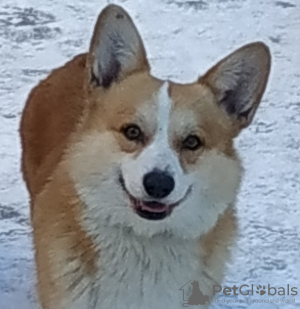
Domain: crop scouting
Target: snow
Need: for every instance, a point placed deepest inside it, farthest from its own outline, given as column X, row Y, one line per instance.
column 183, row 39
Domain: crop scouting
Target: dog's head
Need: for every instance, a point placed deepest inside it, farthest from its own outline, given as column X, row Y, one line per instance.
column 155, row 156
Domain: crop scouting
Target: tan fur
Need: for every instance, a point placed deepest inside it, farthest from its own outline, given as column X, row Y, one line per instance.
column 51, row 114
column 63, row 110
column 57, row 230
column 216, row 129
column 217, row 244
column 127, row 100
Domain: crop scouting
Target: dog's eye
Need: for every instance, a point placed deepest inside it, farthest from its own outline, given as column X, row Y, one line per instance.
column 192, row 142
column 133, row 133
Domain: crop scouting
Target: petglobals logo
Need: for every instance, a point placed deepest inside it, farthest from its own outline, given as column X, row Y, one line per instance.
column 254, row 290
column 193, row 296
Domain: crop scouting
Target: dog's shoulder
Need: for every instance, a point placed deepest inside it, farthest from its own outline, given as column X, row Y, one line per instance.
column 51, row 113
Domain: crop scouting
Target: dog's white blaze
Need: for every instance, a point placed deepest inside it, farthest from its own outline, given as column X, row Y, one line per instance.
column 163, row 116
column 158, row 155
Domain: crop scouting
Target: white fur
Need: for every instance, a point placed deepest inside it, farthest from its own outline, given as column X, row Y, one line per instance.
column 139, row 273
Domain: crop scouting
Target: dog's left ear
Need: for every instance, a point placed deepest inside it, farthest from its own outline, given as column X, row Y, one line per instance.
column 116, row 48
column 239, row 81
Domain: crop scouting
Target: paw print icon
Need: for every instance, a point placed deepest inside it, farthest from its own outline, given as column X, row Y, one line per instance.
column 261, row 290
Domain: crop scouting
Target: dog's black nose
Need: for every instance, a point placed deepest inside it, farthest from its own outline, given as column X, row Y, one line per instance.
column 158, row 184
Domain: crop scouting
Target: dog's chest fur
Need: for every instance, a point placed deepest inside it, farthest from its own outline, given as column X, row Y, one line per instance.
column 143, row 273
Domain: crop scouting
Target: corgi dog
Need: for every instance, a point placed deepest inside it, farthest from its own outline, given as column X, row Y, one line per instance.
column 133, row 179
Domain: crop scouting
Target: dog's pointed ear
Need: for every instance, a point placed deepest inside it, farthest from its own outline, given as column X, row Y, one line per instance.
column 239, row 81
column 116, row 48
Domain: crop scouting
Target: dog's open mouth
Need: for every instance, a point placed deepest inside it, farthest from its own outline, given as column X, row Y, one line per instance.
column 151, row 210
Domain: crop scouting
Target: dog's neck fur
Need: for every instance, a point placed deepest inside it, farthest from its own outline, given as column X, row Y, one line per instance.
column 135, row 272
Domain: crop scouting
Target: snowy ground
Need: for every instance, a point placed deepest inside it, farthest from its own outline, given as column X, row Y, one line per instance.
column 183, row 39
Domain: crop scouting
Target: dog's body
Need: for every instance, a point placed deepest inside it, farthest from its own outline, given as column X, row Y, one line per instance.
column 132, row 179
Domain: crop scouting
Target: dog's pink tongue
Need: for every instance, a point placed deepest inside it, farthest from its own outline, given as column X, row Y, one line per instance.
column 153, row 207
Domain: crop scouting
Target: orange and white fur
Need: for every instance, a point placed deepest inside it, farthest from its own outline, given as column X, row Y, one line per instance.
column 133, row 179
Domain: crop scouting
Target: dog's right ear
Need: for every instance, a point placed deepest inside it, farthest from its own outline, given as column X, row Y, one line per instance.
column 239, row 81
column 116, row 48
